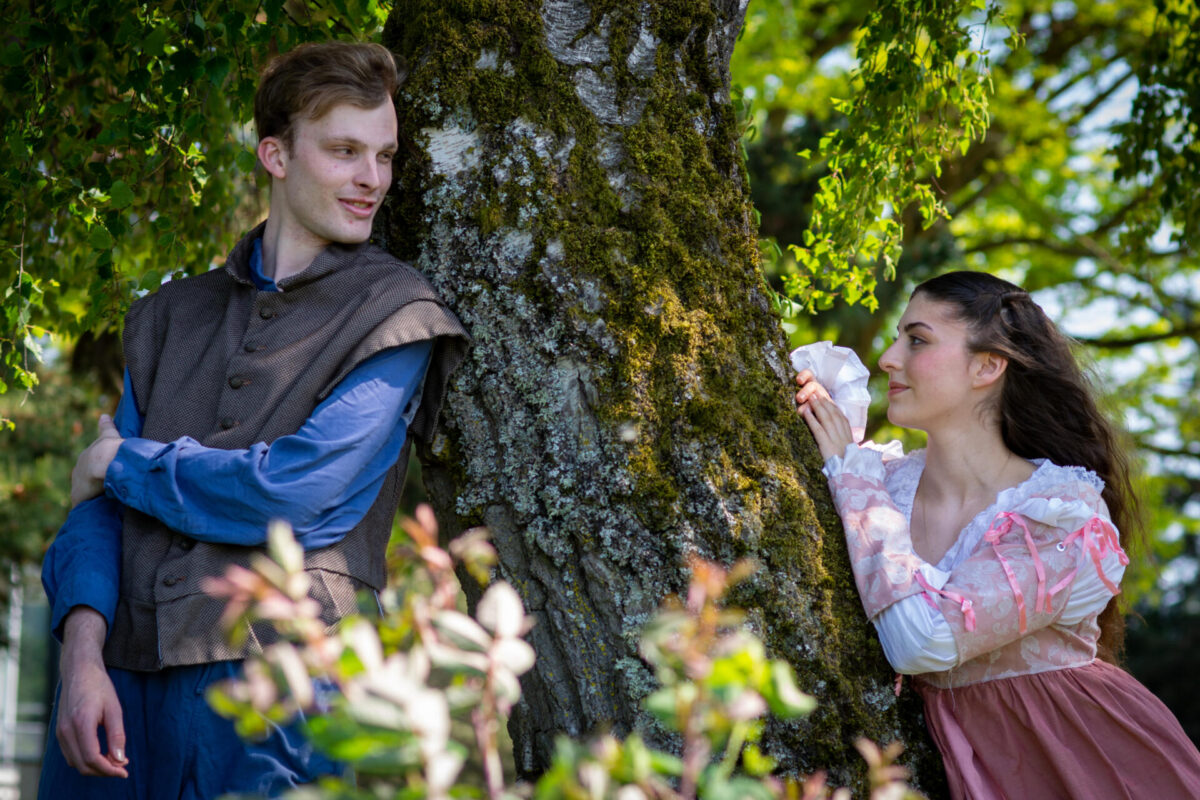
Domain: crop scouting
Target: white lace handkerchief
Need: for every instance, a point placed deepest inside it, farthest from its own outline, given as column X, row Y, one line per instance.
column 843, row 374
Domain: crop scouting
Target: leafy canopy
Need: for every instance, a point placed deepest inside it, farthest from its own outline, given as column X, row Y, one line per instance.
column 125, row 153
column 919, row 92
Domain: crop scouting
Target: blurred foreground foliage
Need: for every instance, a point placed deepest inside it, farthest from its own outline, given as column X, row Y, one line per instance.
column 419, row 695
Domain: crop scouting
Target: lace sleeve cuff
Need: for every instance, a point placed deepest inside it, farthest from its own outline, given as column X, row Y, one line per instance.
column 864, row 462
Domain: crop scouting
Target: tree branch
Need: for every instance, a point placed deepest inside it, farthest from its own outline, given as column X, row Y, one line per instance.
column 989, row 185
column 1086, row 249
column 1062, row 248
column 1158, row 450
column 838, row 36
column 1090, row 72
column 1191, row 329
column 1099, row 98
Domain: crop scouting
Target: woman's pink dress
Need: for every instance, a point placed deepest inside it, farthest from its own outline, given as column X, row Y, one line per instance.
column 1027, row 711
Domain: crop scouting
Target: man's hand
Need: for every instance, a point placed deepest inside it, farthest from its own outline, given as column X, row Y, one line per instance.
column 87, row 479
column 88, row 699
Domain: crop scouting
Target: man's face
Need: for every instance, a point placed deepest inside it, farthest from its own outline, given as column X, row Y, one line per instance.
column 335, row 175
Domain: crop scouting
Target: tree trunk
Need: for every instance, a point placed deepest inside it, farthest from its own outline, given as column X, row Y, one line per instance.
column 572, row 183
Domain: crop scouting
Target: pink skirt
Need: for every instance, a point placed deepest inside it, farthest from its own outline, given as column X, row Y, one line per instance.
column 1090, row 732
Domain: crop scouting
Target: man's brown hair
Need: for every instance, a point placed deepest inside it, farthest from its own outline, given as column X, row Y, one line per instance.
column 313, row 78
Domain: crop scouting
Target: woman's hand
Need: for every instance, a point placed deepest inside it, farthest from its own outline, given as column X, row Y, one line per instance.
column 829, row 426
column 824, row 426
column 809, row 387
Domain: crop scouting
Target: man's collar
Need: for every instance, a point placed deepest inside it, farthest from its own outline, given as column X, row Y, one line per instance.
column 238, row 263
column 261, row 281
column 334, row 256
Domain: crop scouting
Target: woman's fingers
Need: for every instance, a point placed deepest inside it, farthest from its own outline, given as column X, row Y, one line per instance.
column 829, row 426
column 816, row 427
column 810, row 387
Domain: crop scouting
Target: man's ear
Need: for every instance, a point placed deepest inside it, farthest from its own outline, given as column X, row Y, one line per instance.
column 273, row 156
column 988, row 369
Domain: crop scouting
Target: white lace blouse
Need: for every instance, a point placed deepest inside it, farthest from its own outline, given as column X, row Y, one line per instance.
column 916, row 637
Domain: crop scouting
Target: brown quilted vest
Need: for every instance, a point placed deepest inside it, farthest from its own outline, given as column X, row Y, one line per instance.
column 213, row 358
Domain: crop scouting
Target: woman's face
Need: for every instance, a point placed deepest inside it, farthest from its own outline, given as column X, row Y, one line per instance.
column 931, row 373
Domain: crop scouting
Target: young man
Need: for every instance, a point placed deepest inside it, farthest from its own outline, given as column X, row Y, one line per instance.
column 281, row 386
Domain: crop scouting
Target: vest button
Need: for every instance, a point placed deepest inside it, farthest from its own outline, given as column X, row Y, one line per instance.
column 227, row 423
column 266, row 312
column 174, row 579
column 237, row 381
column 186, row 543
column 252, row 348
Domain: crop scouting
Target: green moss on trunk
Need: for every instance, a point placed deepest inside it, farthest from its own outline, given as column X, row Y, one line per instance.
column 574, row 189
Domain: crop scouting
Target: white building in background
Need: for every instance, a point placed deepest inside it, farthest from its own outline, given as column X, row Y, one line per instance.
column 28, row 674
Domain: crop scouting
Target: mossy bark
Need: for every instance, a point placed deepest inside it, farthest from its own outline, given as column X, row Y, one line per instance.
column 572, row 184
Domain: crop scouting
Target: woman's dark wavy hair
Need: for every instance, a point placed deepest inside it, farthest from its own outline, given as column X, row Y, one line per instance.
column 1047, row 406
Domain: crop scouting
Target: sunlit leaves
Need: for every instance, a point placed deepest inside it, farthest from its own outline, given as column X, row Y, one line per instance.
column 1160, row 146
column 119, row 114
column 920, row 93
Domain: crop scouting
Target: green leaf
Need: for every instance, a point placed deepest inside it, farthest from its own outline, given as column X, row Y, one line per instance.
column 119, row 195
column 99, row 238
column 756, row 762
column 12, row 55
column 187, row 65
column 155, row 44
column 664, row 705
column 246, row 161
column 217, row 68
column 234, row 21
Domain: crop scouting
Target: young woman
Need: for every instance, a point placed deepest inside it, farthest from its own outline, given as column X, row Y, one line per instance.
column 989, row 561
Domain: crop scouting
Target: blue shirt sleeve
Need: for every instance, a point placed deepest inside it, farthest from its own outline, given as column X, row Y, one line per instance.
column 83, row 565
column 322, row 479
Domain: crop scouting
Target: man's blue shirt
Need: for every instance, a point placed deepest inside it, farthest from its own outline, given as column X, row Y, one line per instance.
column 321, row 479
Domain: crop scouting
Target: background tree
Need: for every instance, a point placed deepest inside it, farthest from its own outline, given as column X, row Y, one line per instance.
column 575, row 190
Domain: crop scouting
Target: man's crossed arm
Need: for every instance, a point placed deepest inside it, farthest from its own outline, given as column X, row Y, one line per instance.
column 322, row 479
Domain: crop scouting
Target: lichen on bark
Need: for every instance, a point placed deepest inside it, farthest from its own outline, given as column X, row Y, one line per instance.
column 573, row 187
